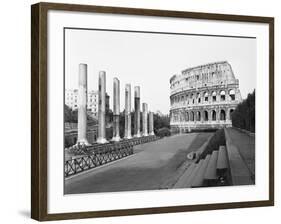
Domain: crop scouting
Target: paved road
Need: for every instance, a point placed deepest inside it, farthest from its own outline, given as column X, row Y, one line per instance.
column 246, row 146
column 147, row 169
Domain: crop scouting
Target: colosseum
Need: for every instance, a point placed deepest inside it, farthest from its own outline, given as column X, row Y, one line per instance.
column 203, row 97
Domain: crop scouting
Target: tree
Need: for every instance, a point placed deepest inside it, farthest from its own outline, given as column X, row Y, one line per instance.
column 244, row 115
column 161, row 121
column 71, row 116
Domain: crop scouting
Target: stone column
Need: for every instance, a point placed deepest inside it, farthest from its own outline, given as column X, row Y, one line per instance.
column 202, row 115
column 116, row 109
column 82, row 105
column 210, row 116
column 137, row 113
column 218, row 114
column 144, row 119
column 101, row 108
column 227, row 114
column 227, row 96
column 151, row 125
column 128, row 132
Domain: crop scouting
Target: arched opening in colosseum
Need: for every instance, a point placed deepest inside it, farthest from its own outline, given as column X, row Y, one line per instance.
column 232, row 94
column 187, row 116
column 214, row 95
column 182, row 116
column 222, row 115
column 206, row 97
column 214, row 115
column 205, row 115
column 198, row 97
column 198, row 117
column 230, row 113
column 192, row 116
column 222, row 94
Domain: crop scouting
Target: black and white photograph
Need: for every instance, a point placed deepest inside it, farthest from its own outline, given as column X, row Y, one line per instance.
column 136, row 111
column 145, row 111
column 157, row 111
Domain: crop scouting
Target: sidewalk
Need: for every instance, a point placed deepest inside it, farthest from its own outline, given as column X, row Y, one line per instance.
column 152, row 164
column 246, row 146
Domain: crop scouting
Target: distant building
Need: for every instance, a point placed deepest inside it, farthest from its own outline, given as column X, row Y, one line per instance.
column 71, row 100
column 92, row 103
column 203, row 97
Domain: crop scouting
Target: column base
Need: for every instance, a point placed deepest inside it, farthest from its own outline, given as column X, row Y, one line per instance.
column 83, row 142
column 128, row 137
column 116, row 139
column 102, row 141
column 145, row 134
column 137, row 135
column 151, row 133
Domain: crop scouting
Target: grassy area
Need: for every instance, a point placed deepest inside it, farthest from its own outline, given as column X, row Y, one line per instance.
column 200, row 139
column 215, row 142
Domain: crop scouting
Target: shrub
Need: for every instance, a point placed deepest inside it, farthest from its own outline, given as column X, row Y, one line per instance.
column 215, row 142
column 162, row 132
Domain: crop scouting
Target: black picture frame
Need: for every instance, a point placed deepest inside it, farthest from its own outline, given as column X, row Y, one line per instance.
column 39, row 106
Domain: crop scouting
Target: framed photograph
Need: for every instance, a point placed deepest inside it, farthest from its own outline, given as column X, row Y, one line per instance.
column 141, row 111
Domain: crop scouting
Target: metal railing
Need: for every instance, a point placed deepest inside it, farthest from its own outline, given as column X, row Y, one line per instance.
column 100, row 154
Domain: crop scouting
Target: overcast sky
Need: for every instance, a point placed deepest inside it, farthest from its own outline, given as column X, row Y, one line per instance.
column 150, row 60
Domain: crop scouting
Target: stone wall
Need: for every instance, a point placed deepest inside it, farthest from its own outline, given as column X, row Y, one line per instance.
column 203, row 97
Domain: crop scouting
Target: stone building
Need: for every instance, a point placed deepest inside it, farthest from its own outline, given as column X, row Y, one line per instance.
column 203, row 97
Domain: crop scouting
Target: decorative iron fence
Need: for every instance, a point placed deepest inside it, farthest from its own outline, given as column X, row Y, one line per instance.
column 102, row 156
column 99, row 154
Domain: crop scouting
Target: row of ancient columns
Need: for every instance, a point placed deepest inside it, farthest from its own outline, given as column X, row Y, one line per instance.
column 82, row 110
